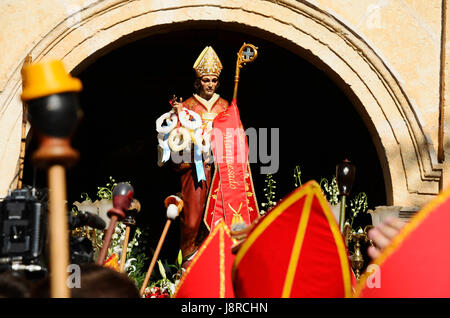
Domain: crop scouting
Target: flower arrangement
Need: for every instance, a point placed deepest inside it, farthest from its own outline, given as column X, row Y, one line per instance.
column 165, row 287
column 138, row 256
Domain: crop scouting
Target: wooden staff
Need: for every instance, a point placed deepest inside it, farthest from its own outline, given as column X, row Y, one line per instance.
column 48, row 84
column 174, row 205
column 129, row 221
column 122, row 197
column 247, row 53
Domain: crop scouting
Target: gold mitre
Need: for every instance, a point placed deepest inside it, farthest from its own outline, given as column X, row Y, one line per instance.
column 207, row 63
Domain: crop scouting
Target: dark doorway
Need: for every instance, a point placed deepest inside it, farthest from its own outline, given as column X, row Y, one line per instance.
column 126, row 90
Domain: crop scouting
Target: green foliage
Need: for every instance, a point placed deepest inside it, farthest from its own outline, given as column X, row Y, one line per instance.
column 269, row 193
column 139, row 270
column 297, row 174
column 168, row 276
column 85, row 196
column 106, row 191
column 330, row 190
column 357, row 205
column 141, row 255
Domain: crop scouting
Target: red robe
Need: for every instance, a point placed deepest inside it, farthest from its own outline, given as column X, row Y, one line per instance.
column 195, row 195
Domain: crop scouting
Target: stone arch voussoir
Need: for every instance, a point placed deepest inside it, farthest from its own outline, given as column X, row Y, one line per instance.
column 409, row 164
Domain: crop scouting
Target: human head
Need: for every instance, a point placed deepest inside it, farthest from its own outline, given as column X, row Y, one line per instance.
column 207, row 69
column 12, row 285
column 96, row 282
column 206, row 86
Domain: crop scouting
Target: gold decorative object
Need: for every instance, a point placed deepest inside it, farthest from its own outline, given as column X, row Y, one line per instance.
column 358, row 238
column 247, row 53
column 208, row 63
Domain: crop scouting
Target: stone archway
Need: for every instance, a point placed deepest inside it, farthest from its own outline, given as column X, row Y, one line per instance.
column 405, row 151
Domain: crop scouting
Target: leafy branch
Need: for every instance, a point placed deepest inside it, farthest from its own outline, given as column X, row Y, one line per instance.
column 269, row 193
column 297, row 174
column 357, row 205
column 331, row 190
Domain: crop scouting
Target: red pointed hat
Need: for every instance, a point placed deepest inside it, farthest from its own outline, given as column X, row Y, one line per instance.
column 296, row 250
column 209, row 274
column 417, row 262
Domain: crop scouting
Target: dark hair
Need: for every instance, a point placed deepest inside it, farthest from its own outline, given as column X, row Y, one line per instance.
column 96, row 282
column 12, row 285
column 198, row 86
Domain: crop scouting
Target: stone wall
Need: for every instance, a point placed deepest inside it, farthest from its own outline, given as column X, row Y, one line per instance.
column 389, row 56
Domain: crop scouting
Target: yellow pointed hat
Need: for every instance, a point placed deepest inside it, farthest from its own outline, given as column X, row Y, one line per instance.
column 207, row 63
column 47, row 78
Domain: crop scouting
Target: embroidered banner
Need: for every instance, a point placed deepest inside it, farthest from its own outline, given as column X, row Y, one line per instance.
column 230, row 149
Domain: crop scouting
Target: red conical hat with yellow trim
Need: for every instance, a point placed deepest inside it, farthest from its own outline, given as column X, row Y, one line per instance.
column 296, row 250
column 209, row 274
column 417, row 262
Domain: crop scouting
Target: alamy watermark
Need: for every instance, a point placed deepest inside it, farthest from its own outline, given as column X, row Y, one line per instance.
column 74, row 278
column 230, row 148
column 374, row 276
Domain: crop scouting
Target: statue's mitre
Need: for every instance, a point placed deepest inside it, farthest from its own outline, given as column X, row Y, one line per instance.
column 207, row 63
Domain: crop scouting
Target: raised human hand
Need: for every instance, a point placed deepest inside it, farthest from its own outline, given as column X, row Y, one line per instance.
column 382, row 235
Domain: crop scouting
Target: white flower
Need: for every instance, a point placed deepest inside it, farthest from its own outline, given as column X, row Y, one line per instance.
column 172, row 288
column 128, row 265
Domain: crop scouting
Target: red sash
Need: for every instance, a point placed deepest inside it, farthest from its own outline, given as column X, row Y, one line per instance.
column 232, row 189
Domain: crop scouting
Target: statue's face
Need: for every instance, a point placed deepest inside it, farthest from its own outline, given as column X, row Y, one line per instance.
column 208, row 86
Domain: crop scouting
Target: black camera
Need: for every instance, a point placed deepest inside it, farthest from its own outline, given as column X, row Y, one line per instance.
column 23, row 232
column 23, row 229
column 81, row 249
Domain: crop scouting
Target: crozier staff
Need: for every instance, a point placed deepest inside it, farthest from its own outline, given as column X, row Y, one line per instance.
column 53, row 110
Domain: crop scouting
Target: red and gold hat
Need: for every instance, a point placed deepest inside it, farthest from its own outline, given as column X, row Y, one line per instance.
column 209, row 274
column 416, row 263
column 294, row 251
column 207, row 63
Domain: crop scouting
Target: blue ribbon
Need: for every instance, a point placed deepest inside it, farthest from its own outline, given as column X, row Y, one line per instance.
column 166, row 150
column 199, row 164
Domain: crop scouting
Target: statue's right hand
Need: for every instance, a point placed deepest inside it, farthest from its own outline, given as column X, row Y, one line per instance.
column 178, row 105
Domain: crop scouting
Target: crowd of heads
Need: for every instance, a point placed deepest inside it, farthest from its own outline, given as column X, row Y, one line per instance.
column 95, row 282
